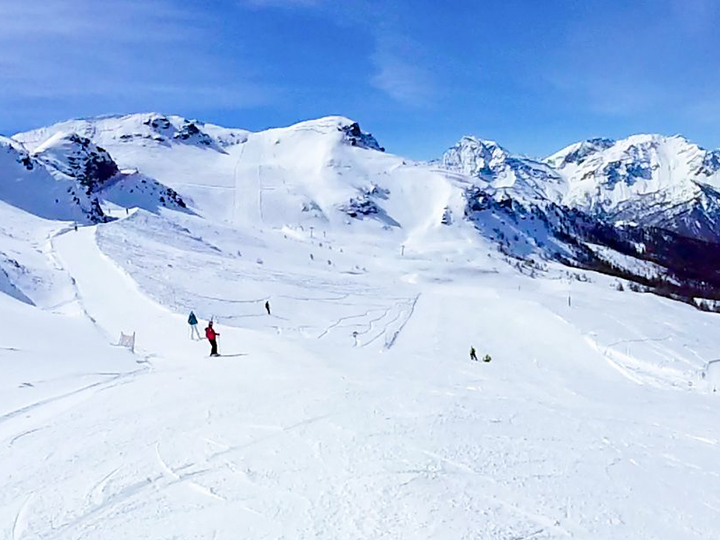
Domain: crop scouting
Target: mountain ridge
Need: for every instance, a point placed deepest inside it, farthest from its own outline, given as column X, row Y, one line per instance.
column 613, row 180
column 328, row 172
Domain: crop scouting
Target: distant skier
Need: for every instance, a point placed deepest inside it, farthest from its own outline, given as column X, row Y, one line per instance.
column 267, row 306
column 193, row 322
column 212, row 335
column 473, row 354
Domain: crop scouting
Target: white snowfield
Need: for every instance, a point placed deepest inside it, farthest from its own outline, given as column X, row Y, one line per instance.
column 353, row 410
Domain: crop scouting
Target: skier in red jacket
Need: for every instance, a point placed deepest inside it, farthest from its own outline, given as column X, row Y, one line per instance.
column 212, row 338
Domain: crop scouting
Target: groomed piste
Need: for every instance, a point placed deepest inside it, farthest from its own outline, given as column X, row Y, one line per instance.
column 353, row 409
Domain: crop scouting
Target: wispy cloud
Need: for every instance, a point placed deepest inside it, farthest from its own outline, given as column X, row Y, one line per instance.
column 401, row 69
column 400, row 72
column 102, row 24
column 81, row 57
column 283, row 3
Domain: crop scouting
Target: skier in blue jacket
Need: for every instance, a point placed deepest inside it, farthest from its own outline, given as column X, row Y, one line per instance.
column 193, row 322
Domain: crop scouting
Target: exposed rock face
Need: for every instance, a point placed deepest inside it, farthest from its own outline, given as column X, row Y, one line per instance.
column 356, row 137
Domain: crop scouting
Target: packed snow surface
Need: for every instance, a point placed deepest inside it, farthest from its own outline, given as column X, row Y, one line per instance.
column 353, row 410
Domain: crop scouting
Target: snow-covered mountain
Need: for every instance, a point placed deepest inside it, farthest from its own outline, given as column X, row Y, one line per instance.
column 45, row 184
column 329, row 174
column 506, row 174
column 649, row 180
column 596, row 191
column 66, row 176
column 348, row 286
column 324, row 171
column 70, row 156
column 139, row 130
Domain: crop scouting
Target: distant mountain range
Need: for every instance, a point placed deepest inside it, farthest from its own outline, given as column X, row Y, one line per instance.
column 646, row 208
column 648, row 180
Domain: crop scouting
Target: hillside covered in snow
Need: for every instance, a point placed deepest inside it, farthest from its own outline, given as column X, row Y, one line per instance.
column 647, row 198
column 348, row 285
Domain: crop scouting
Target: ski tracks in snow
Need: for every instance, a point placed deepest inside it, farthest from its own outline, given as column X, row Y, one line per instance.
column 638, row 371
column 500, row 493
column 21, row 519
column 378, row 322
column 179, row 476
column 110, row 492
column 116, row 380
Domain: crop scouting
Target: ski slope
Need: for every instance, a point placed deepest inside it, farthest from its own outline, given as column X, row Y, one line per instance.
column 590, row 422
column 353, row 409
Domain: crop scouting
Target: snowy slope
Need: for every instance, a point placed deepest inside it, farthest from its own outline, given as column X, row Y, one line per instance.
column 27, row 183
column 68, row 178
column 166, row 149
column 319, row 173
column 50, row 356
column 352, row 410
column 28, row 270
column 585, row 415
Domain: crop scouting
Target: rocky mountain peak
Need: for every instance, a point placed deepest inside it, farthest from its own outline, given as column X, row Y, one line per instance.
column 78, row 157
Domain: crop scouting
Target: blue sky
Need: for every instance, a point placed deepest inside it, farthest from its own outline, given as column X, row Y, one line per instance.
column 535, row 75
